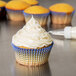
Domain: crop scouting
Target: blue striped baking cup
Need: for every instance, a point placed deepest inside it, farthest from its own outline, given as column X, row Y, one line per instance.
column 60, row 13
column 45, row 49
column 32, row 57
column 46, row 14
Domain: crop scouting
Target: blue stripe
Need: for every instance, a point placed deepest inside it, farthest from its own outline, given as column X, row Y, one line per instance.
column 46, row 14
column 60, row 13
column 14, row 10
column 38, row 50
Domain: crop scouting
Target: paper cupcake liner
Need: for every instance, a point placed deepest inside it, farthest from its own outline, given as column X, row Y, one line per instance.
column 60, row 13
column 32, row 57
column 15, row 15
column 41, row 18
column 61, row 18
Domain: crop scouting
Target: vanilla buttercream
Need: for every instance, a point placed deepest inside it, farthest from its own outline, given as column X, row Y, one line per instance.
column 32, row 35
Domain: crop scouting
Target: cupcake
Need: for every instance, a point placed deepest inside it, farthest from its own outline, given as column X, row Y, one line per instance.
column 40, row 14
column 2, row 10
column 61, row 13
column 15, row 10
column 31, row 2
column 32, row 44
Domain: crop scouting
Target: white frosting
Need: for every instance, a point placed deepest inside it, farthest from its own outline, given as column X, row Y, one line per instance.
column 32, row 35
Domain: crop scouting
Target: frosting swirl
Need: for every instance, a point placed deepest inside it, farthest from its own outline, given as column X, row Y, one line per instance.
column 32, row 35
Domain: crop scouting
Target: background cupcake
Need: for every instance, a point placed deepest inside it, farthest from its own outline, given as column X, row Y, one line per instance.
column 61, row 13
column 32, row 44
column 40, row 14
column 15, row 9
column 2, row 10
column 31, row 2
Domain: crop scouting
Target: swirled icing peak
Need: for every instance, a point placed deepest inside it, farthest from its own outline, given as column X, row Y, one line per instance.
column 32, row 35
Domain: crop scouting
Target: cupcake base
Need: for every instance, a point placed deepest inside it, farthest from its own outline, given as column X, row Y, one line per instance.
column 41, row 18
column 32, row 57
column 60, row 19
column 15, row 15
column 31, row 60
column 31, row 65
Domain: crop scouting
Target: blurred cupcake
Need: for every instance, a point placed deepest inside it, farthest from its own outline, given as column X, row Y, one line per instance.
column 40, row 14
column 32, row 44
column 30, row 2
column 2, row 10
column 15, row 9
column 61, row 13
